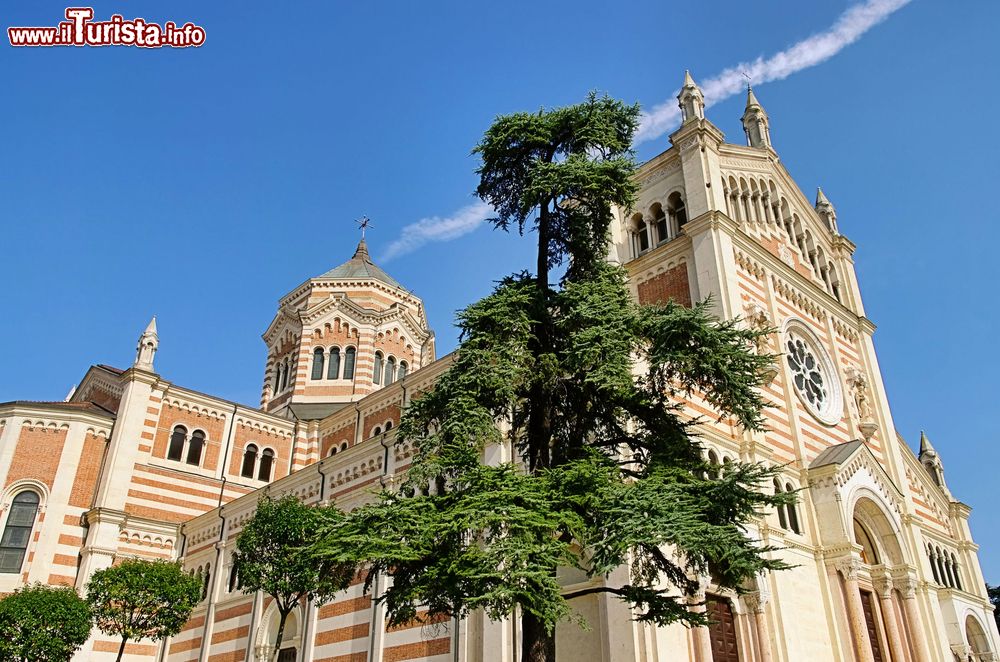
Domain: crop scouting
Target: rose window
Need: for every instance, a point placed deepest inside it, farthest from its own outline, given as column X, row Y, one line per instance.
column 812, row 373
column 806, row 372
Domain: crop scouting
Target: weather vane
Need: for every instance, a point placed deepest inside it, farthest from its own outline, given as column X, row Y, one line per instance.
column 364, row 223
column 747, row 76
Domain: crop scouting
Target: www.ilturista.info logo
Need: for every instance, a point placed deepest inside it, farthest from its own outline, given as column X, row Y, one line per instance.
column 81, row 30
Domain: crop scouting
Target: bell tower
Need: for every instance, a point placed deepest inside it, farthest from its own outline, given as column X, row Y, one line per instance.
column 340, row 336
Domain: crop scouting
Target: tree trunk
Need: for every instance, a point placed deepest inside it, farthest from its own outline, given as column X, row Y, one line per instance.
column 121, row 650
column 282, row 615
column 537, row 644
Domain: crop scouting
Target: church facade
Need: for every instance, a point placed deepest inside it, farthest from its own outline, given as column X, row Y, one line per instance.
column 885, row 568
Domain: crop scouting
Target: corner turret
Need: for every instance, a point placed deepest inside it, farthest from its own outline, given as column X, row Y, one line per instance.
column 756, row 123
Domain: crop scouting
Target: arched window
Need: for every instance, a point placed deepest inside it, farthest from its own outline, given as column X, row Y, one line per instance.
column 677, row 211
column 318, row 358
column 641, row 234
column 939, row 557
column 234, row 580
column 377, row 431
column 17, row 533
column 175, row 451
column 388, row 425
column 343, row 447
column 934, row 571
column 333, row 451
column 390, row 370
column 402, row 369
column 277, row 377
column 206, row 580
column 249, row 461
column 782, row 520
column 266, row 462
column 377, row 375
column 195, row 446
column 956, row 573
column 284, row 374
column 713, row 460
column 349, row 355
column 793, row 515
column 660, row 223
column 333, row 372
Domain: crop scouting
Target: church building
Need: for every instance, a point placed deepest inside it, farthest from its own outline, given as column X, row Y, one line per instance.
column 884, row 566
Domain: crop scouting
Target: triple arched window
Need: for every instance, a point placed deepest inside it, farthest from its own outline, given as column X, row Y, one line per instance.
column 257, row 464
column 333, row 363
column 388, row 370
column 17, row 532
column 659, row 225
column 184, row 447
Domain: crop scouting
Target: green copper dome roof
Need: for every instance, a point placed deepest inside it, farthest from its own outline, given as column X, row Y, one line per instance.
column 361, row 267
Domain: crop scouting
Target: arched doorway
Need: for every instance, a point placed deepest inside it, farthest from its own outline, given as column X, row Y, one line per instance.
column 291, row 640
column 874, row 533
column 976, row 636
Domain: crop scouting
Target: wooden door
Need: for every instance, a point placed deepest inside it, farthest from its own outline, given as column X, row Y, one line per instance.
column 868, row 605
column 722, row 630
column 287, row 655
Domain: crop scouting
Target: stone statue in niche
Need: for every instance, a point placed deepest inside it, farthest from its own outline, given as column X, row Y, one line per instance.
column 862, row 402
column 758, row 320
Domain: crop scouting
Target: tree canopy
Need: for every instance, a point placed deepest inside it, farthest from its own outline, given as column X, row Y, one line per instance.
column 40, row 623
column 272, row 557
column 140, row 599
column 585, row 384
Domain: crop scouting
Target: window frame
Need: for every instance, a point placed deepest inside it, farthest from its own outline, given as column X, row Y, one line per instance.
column 14, row 493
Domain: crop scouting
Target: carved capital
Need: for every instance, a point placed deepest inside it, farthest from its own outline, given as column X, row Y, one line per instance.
column 962, row 652
column 756, row 601
column 883, row 585
column 907, row 586
column 849, row 567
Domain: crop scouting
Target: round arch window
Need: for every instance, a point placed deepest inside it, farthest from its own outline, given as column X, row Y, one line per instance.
column 812, row 372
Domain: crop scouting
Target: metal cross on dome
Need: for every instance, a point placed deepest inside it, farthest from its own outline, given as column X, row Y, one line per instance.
column 364, row 223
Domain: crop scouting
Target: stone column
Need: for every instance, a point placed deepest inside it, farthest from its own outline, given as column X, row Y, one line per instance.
column 848, row 569
column 907, row 586
column 700, row 635
column 883, row 586
column 756, row 602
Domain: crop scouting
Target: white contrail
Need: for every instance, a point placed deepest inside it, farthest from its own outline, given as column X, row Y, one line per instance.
column 848, row 28
column 818, row 48
column 435, row 228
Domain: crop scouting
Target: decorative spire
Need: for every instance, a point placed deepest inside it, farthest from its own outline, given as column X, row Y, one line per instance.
column 929, row 457
column 925, row 446
column 691, row 100
column 755, row 122
column 361, row 253
column 826, row 211
column 148, row 342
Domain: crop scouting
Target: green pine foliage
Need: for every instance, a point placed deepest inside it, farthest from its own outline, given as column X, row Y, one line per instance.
column 583, row 383
column 43, row 623
column 141, row 599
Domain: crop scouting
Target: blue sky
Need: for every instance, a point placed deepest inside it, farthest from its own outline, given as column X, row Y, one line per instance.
column 203, row 184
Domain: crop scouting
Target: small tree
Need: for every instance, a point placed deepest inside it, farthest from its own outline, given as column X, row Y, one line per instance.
column 271, row 556
column 140, row 599
column 41, row 622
